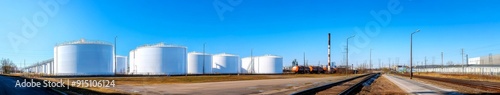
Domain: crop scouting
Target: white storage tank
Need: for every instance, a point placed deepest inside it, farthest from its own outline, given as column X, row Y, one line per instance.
column 267, row 64
column 225, row 63
column 121, row 64
column 247, row 66
column 159, row 59
column 199, row 63
column 131, row 64
column 83, row 58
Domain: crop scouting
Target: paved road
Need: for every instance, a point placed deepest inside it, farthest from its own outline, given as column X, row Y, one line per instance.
column 414, row 87
column 7, row 87
column 226, row 88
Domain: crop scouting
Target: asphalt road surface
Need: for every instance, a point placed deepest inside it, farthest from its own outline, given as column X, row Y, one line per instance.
column 8, row 87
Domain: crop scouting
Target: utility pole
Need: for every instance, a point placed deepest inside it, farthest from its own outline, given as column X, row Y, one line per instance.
column 462, row 56
column 467, row 59
column 411, row 54
column 425, row 62
column 304, row 58
column 463, row 67
column 347, row 53
column 329, row 58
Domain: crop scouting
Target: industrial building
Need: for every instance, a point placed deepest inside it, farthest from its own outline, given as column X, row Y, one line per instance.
column 267, row 64
column 225, row 63
column 199, row 63
column 83, row 58
column 158, row 59
column 485, row 60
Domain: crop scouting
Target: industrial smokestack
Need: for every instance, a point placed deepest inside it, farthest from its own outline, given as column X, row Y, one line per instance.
column 329, row 61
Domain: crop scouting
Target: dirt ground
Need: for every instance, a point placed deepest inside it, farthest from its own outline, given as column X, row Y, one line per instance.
column 244, row 87
column 382, row 86
column 144, row 81
column 458, row 88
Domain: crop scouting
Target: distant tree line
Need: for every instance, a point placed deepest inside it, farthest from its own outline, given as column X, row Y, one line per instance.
column 7, row 66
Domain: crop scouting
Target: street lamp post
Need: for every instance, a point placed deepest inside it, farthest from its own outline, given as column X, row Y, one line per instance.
column 411, row 53
column 347, row 54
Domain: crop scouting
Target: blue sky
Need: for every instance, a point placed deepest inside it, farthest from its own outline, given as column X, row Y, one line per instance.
column 281, row 27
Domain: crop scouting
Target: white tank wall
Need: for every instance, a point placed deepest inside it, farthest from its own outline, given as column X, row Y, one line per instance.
column 267, row 64
column 246, row 65
column 40, row 69
column 121, row 64
column 83, row 59
column 55, row 68
column 51, row 68
column 131, row 62
column 195, row 63
column 46, row 68
column 225, row 63
column 160, row 60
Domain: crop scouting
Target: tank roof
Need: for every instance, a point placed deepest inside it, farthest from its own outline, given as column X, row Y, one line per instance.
column 161, row 44
column 83, row 41
column 267, row 55
column 120, row 56
column 224, row 54
column 201, row 53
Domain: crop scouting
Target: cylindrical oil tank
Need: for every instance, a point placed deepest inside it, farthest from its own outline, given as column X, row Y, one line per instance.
column 121, row 64
column 160, row 59
column 199, row 63
column 131, row 63
column 225, row 63
column 316, row 69
column 246, row 65
column 47, row 68
column 269, row 64
column 300, row 69
column 83, row 58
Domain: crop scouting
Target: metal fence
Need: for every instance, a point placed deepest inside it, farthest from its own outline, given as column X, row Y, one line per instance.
column 479, row 70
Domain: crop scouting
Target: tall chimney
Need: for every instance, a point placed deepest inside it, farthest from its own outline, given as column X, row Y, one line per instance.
column 329, row 59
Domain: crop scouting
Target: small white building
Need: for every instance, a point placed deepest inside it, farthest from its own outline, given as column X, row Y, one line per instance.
column 475, row 61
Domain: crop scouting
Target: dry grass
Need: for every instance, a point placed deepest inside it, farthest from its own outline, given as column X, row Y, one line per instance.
column 463, row 76
column 182, row 79
column 194, row 79
column 14, row 74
